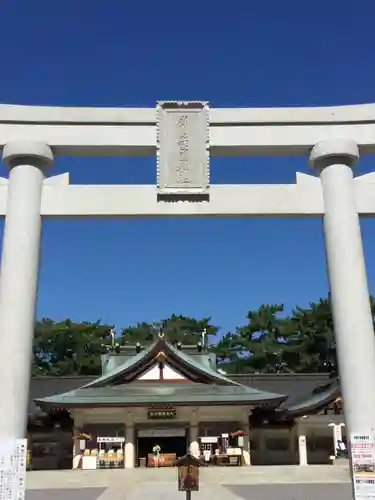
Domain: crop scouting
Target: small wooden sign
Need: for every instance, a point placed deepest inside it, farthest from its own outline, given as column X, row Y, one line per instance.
column 188, row 473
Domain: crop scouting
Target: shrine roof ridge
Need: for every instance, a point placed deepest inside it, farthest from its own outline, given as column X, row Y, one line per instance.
column 116, row 387
column 161, row 344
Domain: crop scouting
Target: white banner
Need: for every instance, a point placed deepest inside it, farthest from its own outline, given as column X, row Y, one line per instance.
column 13, row 456
column 362, row 448
column 111, row 439
column 209, row 440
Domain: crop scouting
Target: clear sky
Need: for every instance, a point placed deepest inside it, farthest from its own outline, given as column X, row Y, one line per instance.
column 233, row 54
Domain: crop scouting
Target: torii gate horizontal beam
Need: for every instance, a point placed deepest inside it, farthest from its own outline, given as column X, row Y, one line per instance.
column 233, row 132
column 303, row 199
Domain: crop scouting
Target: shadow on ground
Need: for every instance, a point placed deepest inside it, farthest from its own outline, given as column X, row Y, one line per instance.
column 318, row 491
column 65, row 494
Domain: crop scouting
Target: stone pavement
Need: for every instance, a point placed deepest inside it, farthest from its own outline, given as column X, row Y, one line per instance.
column 341, row 491
column 209, row 476
column 167, row 491
column 223, row 483
column 66, row 494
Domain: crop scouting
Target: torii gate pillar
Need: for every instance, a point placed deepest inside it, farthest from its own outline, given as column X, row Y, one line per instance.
column 353, row 323
column 19, row 279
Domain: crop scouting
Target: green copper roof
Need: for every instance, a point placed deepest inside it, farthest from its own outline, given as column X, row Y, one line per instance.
column 163, row 345
column 165, row 393
column 127, row 365
column 110, row 389
column 199, row 366
column 313, row 403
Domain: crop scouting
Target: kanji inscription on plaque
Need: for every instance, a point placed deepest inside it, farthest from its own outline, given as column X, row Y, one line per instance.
column 182, row 147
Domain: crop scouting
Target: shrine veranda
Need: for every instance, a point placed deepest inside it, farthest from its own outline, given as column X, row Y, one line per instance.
column 183, row 136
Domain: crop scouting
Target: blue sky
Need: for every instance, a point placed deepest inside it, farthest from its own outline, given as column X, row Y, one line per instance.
column 237, row 54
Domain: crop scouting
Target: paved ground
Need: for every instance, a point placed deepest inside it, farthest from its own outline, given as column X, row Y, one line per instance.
column 167, row 491
column 292, row 492
column 222, row 483
column 209, row 477
column 64, row 494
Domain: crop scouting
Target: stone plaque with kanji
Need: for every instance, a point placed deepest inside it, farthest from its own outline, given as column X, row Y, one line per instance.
column 182, row 147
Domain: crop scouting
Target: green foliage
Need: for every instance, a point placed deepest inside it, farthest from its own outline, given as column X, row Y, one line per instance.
column 269, row 342
column 265, row 338
column 313, row 340
column 187, row 330
column 260, row 346
column 176, row 329
column 68, row 348
column 228, row 351
column 144, row 333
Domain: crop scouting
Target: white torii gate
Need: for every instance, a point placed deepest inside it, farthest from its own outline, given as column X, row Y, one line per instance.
column 182, row 135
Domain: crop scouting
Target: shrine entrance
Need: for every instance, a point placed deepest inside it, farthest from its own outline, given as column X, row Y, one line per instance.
column 160, row 447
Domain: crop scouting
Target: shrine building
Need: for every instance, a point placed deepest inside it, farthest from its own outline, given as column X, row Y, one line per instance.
column 154, row 403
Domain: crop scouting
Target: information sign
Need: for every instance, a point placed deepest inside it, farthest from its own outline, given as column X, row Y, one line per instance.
column 363, row 464
column 13, row 456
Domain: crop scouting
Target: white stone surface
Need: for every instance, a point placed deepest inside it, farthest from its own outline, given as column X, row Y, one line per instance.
column 302, row 445
column 331, row 149
column 305, row 198
column 209, row 476
column 56, row 180
column 133, row 140
column 129, row 451
column 354, row 331
column 142, row 201
column 183, row 161
column 19, row 280
column 132, row 131
column 14, row 113
column 25, row 149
